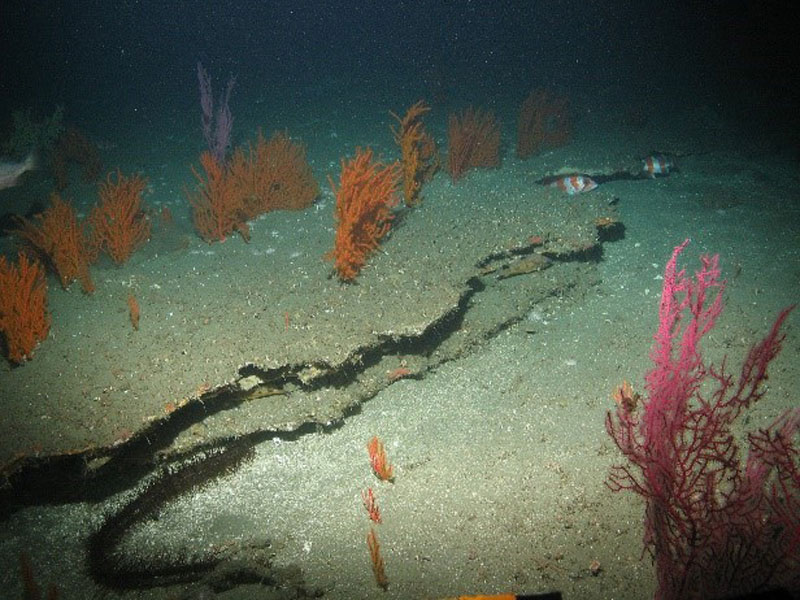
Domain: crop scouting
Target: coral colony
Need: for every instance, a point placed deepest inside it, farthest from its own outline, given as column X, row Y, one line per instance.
column 385, row 472
column 217, row 126
column 24, row 319
column 364, row 199
column 377, row 458
column 714, row 525
column 272, row 174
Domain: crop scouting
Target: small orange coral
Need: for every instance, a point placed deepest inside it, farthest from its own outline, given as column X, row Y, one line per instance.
column 371, row 505
column 420, row 159
column 218, row 204
column 119, row 224
column 543, row 123
column 73, row 146
column 133, row 311
column 625, row 397
column 377, row 458
column 473, row 139
column 24, row 320
column 58, row 237
column 378, row 568
column 363, row 212
column 274, row 175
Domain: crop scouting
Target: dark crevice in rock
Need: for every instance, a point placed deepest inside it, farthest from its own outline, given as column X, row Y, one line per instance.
column 363, row 374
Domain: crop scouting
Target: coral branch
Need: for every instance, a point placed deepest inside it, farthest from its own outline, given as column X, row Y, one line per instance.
column 218, row 204
column 273, row 175
column 377, row 560
column 473, row 140
column 72, row 146
column 714, row 526
column 420, row 158
column 543, row 123
column 133, row 311
column 119, row 224
column 58, row 237
column 368, row 497
column 363, row 210
column 377, row 458
column 24, row 320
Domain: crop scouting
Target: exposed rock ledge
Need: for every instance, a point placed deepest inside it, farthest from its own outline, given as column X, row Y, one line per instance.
column 238, row 338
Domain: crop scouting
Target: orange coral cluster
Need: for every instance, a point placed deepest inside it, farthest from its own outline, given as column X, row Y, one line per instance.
column 273, row 175
column 24, row 320
column 420, row 158
column 381, row 468
column 363, row 211
column 543, row 123
column 217, row 206
column 57, row 235
column 119, row 224
column 473, row 140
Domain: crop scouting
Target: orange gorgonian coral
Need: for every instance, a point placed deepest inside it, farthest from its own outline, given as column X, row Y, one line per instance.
column 363, row 213
column 119, row 223
column 24, row 320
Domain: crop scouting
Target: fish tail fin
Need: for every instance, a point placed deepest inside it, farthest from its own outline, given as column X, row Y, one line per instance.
column 31, row 161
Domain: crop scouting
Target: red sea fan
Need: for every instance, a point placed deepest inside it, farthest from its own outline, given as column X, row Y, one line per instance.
column 713, row 525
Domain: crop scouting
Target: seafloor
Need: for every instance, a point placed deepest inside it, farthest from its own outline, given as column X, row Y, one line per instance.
column 496, row 431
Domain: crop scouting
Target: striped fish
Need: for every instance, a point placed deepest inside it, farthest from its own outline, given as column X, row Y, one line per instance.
column 657, row 165
column 574, row 184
